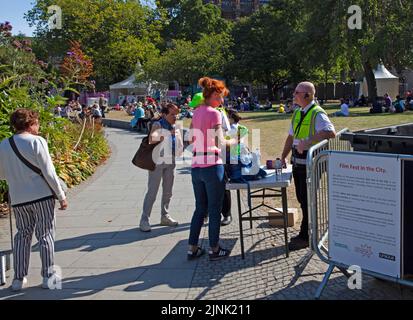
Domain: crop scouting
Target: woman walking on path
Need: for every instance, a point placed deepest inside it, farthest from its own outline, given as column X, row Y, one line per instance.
column 32, row 195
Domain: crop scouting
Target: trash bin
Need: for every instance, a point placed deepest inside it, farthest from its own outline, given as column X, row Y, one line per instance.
column 396, row 139
column 392, row 139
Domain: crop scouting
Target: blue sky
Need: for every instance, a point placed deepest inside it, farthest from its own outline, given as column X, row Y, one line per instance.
column 13, row 11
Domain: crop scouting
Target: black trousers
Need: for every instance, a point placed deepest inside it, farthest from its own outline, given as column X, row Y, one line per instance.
column 226, row 206
column 300, row 175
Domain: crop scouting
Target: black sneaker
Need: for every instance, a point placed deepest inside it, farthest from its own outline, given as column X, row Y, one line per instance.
column 194, row 255
column 299, row 237
column 298, row 244
column 220, row 254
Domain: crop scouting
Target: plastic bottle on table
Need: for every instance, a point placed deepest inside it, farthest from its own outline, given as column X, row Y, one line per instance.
column 278, row 167
column 258, row 153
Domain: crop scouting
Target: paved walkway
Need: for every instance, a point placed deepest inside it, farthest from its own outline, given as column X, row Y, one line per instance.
column 103, row 255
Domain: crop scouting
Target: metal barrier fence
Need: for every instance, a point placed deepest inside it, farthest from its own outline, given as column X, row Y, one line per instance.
column 320, row 218
column 317, row 188
column 317, row 198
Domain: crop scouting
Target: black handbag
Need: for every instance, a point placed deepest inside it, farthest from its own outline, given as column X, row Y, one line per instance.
column 143, row 157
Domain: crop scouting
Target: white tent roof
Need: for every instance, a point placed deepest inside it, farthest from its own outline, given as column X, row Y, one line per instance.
column 385, row 81
column 128, row 84
column 382, row 73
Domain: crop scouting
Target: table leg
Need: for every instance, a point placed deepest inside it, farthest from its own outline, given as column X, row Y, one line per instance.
column 249, row 208
column 2, row 270
column 240, row 224
column 285, row 216
column 263, row 196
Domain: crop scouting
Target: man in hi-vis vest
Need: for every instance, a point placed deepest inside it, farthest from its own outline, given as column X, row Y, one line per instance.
column 310, row 125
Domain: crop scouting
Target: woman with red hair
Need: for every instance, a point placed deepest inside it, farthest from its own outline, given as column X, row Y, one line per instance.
column 208, row 168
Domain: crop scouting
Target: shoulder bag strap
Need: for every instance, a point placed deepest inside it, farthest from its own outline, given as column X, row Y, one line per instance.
column 27, row 163
column 23, row 159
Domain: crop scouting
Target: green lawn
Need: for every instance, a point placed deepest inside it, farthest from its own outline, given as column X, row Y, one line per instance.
column 274, row 127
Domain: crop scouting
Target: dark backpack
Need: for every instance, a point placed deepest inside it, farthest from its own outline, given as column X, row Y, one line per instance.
column 236, row 175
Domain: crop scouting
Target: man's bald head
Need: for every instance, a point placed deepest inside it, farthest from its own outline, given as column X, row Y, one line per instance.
column 304, row 93
column 306, row 87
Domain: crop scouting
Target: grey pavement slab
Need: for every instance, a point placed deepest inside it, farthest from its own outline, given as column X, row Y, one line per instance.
column 100, row 279
column 37, row 293
column 171, row 280
column 126, row 256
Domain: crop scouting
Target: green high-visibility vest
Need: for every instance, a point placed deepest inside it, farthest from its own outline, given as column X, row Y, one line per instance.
column 306, row 128
column 223, row 110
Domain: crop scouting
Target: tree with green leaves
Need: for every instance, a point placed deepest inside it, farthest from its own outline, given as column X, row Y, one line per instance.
column 262, row 50
column 116, row 34
column 386, row 35
column 190, row 19
column 186, row 62
column 323, row 43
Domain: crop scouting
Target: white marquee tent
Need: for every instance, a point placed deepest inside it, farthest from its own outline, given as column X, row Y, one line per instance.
column 127, row 87
column 130, row 88
column 386, row 82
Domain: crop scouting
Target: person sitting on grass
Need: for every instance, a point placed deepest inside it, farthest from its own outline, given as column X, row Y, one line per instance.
column 344, row 112
column 362, row 102
column 398, row 106
column 387, row 102
column 290, row 107
column 377, row 107
column 268, row 105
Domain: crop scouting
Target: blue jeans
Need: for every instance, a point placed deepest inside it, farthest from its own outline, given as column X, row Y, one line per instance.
column 209, row 188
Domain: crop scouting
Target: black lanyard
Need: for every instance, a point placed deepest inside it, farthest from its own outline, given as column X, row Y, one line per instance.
column 303, row 115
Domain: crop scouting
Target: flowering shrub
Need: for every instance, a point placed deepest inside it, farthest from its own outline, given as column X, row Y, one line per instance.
column 24, row 83
column 76, row 65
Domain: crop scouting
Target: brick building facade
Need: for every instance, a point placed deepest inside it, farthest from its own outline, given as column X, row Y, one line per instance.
column 234, row 9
